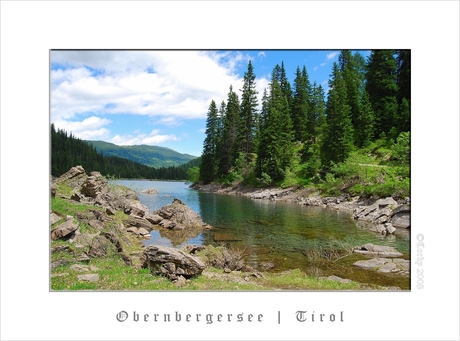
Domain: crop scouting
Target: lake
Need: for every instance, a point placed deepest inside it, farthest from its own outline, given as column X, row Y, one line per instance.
column 272, row 231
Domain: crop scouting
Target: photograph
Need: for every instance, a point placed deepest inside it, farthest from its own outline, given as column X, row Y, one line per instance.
column 230, row 170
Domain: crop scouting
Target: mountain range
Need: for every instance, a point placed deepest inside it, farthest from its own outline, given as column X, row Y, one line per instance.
column 152, row 156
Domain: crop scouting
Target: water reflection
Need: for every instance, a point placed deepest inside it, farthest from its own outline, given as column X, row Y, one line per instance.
column 270, row 231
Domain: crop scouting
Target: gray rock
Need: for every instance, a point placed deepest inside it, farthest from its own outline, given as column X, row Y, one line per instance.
column 95, row 185
column 58, row 263
column 337, row 279
column 64, row 230
column 401, row 217
column 149, row 191
column 389, row 228
column 377, row 251
column 179, row 216
column 100, row 247
column 75, row 177
column 89, row 277
column 54, row 218
column 153, row 218
column 389, row 201
column 373, row 263
column 171, row 262
column 385, row 265
column 143, row 231
column 137, row 209
column 79, row 268
column 137, row 222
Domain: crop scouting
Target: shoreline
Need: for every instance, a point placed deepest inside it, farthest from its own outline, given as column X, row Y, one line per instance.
column 383, row 214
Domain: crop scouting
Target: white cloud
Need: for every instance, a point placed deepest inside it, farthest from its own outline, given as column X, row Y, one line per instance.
column 110, row 82
column 332, row 55
column 90, row 128
column 153, row 138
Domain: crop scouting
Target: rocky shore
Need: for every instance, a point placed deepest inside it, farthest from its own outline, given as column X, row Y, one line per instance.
column 383, row 215
column 114, row 221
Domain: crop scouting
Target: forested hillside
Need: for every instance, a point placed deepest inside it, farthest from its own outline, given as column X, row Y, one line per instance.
column 152, row 156
column 356, row 138
column 68, row 151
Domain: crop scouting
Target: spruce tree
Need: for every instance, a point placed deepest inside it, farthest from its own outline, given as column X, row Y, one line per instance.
column 403, row 75
column 208, row 168
column 382, row 89
column 310, row 154
column 229, row 132
column 350, row 72
column 338, row 139
column 248, row 113
column 276, row 146
column 300, row 104
column 364, row 131
column 404, row 90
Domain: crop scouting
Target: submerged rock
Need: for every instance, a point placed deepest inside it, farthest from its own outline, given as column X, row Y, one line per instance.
column 385, row 265
column 149, row 191
column 377, row 251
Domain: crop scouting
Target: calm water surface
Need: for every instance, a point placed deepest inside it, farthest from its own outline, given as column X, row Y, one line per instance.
column 270, row 231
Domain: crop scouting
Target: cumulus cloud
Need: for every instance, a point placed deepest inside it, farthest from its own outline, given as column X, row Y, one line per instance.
column 150, row 139
column 332, row 55
column 177, row 84
column 90, row 128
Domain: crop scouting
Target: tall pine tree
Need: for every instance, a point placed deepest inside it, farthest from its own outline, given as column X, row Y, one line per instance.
column 350, row 72
column 208, row 168
column 229, row 132
column 248, row 113
column 339, row 135
column 276, row 146
column 382, row 89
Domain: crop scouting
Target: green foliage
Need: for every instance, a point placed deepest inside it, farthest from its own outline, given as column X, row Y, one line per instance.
column 401, row 149
column 152, row 156
column 193, row 174
column 338, row 139
column 343, row 144
column 209, row 158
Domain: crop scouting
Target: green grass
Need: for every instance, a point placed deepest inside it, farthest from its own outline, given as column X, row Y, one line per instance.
column 114, row 275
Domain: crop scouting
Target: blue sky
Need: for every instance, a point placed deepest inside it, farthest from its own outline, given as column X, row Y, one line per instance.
column 161, row 97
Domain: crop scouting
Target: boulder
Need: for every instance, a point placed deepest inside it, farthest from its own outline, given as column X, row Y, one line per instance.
column 54, row 218
column 137, row 209
column 64, row 230
column 100, row 247
column 179, row 216
column 89, row 278
column 377, row 250
column 385, row 265
column 389, row 201
column 137, row 222
column 74, row 177
column 95, row 185
column 401, row 217
column 153, row 218
column 149, row 191
column 170, row 262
